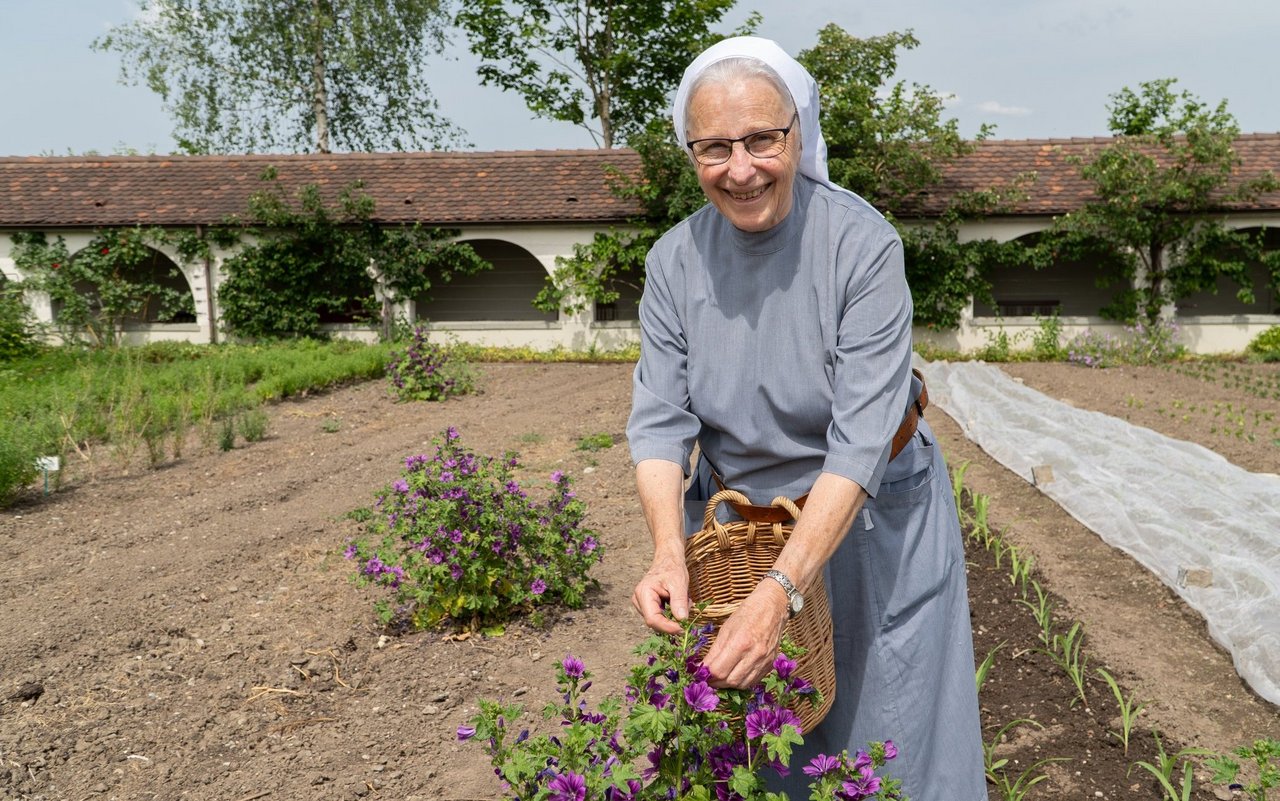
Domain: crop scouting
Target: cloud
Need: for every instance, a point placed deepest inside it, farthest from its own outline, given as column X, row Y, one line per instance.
column 993, row 107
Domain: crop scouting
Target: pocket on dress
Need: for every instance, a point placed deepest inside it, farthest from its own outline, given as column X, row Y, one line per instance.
column 908, row 544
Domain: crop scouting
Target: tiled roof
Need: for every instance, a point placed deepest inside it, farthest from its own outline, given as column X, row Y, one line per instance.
column 457, row 189
column 434, row 188
column 1058, row 187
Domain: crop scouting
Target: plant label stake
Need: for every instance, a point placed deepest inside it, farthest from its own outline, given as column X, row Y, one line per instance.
column 47, row 465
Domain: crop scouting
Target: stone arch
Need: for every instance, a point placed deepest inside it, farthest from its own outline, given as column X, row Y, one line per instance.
column 1069, row 287
column 162, row 270
column 504, row 293
column 1222, row 298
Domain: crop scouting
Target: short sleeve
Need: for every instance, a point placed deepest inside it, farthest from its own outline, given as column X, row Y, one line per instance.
column 661, row 425
column 872, row 361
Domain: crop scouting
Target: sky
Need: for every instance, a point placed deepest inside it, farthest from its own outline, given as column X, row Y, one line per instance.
column 1033, row 68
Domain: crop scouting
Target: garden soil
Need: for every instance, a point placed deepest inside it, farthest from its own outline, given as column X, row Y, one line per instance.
column 191, row 631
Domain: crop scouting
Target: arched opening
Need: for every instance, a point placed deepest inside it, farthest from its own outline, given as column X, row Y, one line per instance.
column 1069, row 287
column 504, row 293
column 1223, row 299
column 143, row 291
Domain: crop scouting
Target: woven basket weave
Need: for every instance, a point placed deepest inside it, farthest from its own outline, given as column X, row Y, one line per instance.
column 727, row 560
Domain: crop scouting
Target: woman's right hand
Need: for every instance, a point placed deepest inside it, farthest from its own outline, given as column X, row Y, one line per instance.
column 667, row 582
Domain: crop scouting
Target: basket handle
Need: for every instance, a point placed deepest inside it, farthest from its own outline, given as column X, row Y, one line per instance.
column 710, row 523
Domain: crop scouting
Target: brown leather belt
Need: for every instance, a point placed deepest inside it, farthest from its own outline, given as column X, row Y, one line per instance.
column 907, row 430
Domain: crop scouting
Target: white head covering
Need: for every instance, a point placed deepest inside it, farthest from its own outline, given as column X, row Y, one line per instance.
column 803, row 88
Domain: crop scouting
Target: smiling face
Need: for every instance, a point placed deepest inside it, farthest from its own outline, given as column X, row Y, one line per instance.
column 754, row 194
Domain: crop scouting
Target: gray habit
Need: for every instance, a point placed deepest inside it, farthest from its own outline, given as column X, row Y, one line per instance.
column 784, row 354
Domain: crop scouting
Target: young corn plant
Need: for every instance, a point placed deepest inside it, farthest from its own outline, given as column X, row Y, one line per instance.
column 999, row 548
column 980, row 675
column 1042, row 610
column 1068, row 654
column 1129, row 710
column 1020, row 570
column 1008, row 786
column 1165, row 767
column 981, row 528
column 957, row 484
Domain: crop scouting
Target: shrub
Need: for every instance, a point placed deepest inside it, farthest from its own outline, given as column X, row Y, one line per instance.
column 17, row 325
column 695, row 742
column 1267, row 345
column 456, row 538
column 18, row 454
column 253, row 425
column 1142, row 343
column 427, row 371
column 1046, row 342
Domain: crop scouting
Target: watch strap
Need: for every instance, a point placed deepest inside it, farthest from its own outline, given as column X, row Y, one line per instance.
column 787, row 586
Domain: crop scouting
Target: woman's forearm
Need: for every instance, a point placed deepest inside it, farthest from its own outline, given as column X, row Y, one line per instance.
column 660, row 485
column 828, row 513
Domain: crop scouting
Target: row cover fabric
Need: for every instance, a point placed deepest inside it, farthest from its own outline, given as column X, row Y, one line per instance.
column 1177, row 508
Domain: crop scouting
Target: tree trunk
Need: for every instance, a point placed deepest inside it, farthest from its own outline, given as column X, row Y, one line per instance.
column 319, row 92
column 1155, row 283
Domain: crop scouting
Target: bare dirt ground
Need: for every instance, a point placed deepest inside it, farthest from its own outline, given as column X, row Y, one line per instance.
column 191, row 632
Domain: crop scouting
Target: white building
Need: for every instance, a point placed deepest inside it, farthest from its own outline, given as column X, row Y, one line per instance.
column 524, row 210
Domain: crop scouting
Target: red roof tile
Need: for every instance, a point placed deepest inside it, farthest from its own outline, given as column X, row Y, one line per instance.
column 1058, row 187
column 445, row 189
column 456, row 189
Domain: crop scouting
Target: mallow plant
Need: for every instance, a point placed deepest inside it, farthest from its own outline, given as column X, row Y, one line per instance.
column 456, row 538
column 671, row 736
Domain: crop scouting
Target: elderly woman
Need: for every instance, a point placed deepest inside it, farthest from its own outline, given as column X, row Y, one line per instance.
column 776, row 336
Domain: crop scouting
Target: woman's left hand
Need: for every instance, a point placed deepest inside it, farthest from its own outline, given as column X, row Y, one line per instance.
column 748, row 642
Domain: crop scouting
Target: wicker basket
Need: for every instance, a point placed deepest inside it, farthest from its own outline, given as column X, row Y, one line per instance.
column 727, row 560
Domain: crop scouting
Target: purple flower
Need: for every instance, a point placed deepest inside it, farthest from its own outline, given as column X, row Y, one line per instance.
column 573, row 667
column 466, row 732
column 451, row 434
column 556, row 476
column 350, row 552
column 762, row 721
column 821, row 765
column 862, row 762
column 890, row 750
column 400, row 485
column 701, row 697
column 568, row 786
column 861, row 787
column 538, row 587
column 783, row 665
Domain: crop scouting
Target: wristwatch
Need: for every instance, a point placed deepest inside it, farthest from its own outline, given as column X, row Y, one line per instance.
column 795, row 601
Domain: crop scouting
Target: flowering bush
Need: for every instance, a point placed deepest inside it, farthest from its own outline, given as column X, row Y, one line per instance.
column 674, row 737
column 455, row 537
column 427, row 371
column 1141, row 343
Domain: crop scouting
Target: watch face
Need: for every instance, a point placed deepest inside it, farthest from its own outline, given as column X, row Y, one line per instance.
column 797, row 603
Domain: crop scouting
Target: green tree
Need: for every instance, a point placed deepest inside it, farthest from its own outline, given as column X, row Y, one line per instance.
column 885, row 142
column 1160, row 188
column 312, row 262
column 252, row 75
column 889, row 144
column 605, row 65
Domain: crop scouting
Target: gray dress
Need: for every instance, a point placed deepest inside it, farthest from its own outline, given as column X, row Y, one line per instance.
column 784, row 354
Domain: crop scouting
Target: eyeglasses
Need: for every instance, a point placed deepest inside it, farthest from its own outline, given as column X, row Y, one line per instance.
column 765, row 144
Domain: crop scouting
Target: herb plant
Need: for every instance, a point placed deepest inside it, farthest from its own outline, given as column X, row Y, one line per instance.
column 457, row 538
column 673, row 736
column 427, row 371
